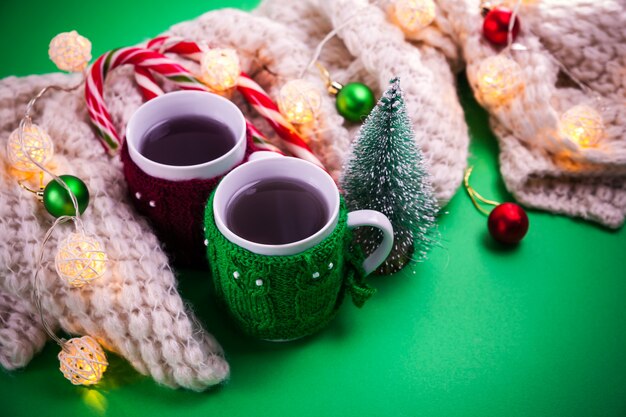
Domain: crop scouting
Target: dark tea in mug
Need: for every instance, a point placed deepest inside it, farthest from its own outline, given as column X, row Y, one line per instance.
column 276, row 211
column 187, row 140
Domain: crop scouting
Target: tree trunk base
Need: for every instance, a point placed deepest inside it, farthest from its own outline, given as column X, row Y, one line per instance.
column 395, row 262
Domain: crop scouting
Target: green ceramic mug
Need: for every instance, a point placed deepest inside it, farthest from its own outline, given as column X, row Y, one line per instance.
column 284, row 292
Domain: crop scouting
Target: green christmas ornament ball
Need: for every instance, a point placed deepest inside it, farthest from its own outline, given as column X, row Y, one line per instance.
column 355, row 101
column 57, row 200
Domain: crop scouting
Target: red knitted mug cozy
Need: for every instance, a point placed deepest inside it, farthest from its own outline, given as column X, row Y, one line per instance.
column 175, row 208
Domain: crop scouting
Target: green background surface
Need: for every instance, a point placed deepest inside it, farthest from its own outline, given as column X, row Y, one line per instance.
column 478, row 330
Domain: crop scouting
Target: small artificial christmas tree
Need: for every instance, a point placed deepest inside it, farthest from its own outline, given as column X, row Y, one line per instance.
column 385, row 171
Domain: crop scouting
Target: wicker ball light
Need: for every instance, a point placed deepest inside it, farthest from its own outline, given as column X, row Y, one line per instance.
column 80, row 259
column 82, row 361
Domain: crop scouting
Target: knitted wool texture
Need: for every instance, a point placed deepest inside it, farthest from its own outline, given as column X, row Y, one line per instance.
column 134, row 309
column 539, row 168
column 585, row 35
column 592, row 190
column 175, row 208
column 20, row 334
column 272, row 54
column 286, row 297
column 370, row 49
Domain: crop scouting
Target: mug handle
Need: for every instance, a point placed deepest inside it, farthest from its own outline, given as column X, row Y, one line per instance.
column 355, row 219
column 381, row 222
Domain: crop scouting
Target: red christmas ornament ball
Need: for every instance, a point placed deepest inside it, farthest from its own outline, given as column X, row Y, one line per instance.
column 496, row 26
column 508, row 223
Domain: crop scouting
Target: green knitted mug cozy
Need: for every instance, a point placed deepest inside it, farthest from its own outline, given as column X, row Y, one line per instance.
column 286, row 297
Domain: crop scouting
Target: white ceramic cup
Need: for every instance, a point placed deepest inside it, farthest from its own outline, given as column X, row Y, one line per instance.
column 265, row 165
column 186, row 103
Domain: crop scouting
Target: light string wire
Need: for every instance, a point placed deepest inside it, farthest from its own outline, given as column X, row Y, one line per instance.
column 511, row 46
column 332, row 86
column 509, row 30
column 599, row 100
column 324, row 41
column 474, row 195
column 206, row 46
column 26, row 122
column 332, row 33
column 38, row 302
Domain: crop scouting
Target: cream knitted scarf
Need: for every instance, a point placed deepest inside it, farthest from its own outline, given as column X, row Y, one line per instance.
column 585, row 35
column 135, row 309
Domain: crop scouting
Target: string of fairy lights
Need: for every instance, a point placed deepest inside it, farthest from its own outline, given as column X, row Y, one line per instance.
column 81, row 258
column 501, row 79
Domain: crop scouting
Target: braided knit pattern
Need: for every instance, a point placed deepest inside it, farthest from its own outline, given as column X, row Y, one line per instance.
column 585, row 35
column 272, row 54
column 538, row 168
column 285, row 297
column 134, row 309
column 589, row 40
column 371, row 49
column 20, row 335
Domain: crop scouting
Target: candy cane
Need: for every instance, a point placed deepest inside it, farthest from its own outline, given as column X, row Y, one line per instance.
column 147, row 84
column 150, row 89
column 260, row 141
column 140, row 57
column 264, row 105
column 251, row 91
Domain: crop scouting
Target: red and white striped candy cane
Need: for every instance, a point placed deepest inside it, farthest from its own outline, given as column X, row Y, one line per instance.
column 147, row 84
column 145, row 61
column 263, row 104
column 150, row 89
column 140, row 57
column 251, row 91
column 260, row 140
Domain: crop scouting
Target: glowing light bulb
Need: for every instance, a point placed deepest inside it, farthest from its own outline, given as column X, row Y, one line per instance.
column 70, row 51
column 299, row 101
column 499, row 79
column 82, row 361
column 414, row 15
column 80, row 259
column 582, row 125
column 35, row 143
column 220, row 69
